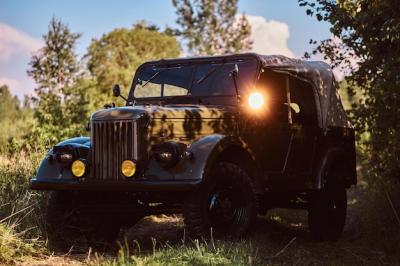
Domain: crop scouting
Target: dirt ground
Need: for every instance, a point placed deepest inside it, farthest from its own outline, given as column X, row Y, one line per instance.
column 280, row 237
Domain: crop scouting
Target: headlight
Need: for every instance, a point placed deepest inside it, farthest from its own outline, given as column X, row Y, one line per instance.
column 128, row 168
column 78, row 168
column 64, row 158
column 164, row 156
column 167, row 154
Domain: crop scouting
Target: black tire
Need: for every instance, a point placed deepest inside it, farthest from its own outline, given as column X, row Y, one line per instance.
column 67, row 227
column 225, row 204
column 327, row 213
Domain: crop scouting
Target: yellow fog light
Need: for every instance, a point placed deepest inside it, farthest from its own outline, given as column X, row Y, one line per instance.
column 256, row 100
column 128, row 168
column 78, row 168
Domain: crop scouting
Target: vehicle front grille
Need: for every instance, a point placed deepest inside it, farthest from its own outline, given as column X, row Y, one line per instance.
column 112, row 143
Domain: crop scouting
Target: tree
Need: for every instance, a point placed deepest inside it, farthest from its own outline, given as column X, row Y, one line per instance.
column 212, row 27
column 15, row 120
column 60, row 109
column 116, row 55
column 366, row 42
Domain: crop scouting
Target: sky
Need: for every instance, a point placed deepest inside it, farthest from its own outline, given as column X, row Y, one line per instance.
column 278, row 27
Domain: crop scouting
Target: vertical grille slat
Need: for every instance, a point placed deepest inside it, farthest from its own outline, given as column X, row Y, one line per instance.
column 112, row 142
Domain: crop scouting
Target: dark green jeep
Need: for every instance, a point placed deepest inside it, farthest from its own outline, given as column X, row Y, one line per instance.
column 219, row 139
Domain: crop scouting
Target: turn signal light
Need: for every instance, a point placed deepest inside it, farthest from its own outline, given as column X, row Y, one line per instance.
column 78, row 168
column 128, row 168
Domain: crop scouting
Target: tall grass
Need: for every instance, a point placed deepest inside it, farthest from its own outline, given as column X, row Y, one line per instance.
column 21, row 206
column 15, row 247
column 22, row 231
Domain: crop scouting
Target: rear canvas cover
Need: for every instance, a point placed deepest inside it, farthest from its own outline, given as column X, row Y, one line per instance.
column 329, row 104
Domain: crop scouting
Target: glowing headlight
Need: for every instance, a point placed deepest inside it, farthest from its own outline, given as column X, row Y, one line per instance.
column 128, row 168
column 78, row 168
column 256, row 100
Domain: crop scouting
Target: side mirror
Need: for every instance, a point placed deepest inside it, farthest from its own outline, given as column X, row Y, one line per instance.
column 116, row 90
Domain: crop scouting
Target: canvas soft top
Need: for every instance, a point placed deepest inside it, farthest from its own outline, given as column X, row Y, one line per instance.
column 329, row 104
column 330, row 109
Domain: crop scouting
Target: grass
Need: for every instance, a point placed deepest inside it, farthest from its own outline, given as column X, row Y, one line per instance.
column 371, row 235
column 14, row 247
column 21, row 219
column 195, row 253
column 19, row 205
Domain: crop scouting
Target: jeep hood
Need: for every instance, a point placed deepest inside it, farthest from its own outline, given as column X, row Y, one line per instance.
column 162, row 112
column 182, row 121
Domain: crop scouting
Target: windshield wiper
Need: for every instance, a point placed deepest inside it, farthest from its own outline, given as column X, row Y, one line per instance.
column 211, row 71
column 153, row 77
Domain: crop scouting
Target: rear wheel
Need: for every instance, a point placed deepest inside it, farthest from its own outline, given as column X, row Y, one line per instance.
column 327, row 214
column 67, row 227
column 225, row 204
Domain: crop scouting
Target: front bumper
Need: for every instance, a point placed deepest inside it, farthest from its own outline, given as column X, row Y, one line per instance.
column 104, row 185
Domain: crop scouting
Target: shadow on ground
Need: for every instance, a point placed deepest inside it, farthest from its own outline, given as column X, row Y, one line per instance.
column 281, row 236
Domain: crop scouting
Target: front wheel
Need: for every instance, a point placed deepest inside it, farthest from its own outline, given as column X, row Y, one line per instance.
column 225, row 204
column 67, row 227
column 327, row 213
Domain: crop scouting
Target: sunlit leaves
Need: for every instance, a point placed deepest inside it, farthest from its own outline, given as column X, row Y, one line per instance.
column 366, row 42
column 212, row 27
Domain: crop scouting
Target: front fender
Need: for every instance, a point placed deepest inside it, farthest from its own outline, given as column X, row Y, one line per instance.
column 205, row 152
column 50, row 169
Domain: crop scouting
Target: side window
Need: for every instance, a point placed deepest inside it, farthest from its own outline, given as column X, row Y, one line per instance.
column 302, row 96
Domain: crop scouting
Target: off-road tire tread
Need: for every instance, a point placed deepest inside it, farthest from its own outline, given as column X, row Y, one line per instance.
column 196, row 225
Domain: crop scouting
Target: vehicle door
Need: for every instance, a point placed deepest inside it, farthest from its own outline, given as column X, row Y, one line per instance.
column 269, row 133
column 305, row 132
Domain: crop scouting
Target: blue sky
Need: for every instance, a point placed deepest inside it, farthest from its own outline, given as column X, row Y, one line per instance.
column 279, row 27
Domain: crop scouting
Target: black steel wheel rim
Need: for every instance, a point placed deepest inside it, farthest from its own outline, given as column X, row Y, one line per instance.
column 225, row 206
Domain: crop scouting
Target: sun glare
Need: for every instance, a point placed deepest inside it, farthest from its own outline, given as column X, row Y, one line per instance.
column 256, row 100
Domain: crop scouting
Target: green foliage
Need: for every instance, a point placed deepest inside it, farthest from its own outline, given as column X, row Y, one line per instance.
column 21, row 210
column 14, row 248
column 367, row 46
column 15, row 120
column 116, row 55
column 20, row 205
column 211, row 27
column 60, row 103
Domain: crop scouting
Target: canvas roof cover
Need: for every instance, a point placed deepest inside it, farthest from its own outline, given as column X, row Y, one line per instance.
column 327, row 98
column 329, row 104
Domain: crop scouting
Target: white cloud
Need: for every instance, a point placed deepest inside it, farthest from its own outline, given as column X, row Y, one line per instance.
column 269, row 36
column 16, row 47
column 10, row 82
column 14, row 42
column 20, row 87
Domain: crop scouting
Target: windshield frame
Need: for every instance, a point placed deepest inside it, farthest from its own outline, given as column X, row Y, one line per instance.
column 192, row 62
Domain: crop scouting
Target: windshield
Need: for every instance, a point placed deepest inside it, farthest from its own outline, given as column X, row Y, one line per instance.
column 200, row 79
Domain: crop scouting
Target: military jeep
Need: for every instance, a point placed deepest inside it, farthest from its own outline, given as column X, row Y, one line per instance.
column 219, row 139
